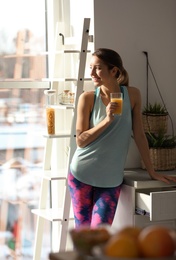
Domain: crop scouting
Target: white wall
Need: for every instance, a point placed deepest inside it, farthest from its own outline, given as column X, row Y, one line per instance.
column 131, row 27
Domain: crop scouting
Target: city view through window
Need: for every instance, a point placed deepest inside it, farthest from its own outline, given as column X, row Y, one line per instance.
column 23, row 40
column 22, row 120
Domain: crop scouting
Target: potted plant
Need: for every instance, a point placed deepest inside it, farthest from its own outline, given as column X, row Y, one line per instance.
column 162, row 150
column 155, row 118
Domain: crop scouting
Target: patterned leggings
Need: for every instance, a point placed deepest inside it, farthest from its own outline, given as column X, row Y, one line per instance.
column 92, row 206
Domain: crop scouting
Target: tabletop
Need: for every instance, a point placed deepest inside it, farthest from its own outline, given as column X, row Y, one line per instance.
column 70, row 255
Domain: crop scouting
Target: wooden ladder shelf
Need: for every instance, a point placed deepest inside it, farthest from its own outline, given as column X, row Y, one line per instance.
column 60, row 214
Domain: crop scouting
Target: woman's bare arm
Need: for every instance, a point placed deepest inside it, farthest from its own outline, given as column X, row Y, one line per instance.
column 84, row 134
column 141, row 140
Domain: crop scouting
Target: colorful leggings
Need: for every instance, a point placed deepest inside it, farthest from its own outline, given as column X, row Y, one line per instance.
column 92, row 206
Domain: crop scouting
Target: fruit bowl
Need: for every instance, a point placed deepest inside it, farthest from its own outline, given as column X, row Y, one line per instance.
column 149, row 243
column 85, row 240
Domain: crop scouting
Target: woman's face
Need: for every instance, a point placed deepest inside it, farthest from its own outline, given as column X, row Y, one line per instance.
column 99, row 72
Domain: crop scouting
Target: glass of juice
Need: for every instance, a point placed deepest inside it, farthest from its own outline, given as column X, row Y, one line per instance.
column 118, row 98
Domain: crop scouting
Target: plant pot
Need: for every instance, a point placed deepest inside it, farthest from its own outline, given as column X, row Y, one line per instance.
column 155, row 123
column 162, row 158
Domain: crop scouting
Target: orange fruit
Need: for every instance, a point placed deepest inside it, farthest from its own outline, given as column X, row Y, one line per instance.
column 173, row 235
column 156, row 241
column 122, row 245
column 130, row 230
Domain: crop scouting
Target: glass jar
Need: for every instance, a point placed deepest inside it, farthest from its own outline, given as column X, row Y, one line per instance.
column 50, row 111
column 66, row 97
column 71, row 97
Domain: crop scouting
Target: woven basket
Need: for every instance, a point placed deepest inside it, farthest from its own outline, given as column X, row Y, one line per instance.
column 162, row 159
column 154, row 123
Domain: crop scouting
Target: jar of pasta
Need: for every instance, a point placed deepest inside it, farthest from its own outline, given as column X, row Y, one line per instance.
column 50, row 111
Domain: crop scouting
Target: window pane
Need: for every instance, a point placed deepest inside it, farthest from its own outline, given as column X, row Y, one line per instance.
column 23, row 40
column 22, row 118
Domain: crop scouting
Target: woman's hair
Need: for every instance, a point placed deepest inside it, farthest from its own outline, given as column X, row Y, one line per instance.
column 113, row 59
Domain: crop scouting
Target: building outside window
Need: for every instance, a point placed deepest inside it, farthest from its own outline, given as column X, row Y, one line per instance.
column 23, row 74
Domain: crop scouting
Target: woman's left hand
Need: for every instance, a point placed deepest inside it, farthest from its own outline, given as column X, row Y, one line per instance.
column 163, row 177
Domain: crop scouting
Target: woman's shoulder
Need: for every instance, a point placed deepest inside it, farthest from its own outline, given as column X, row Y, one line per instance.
column 87, row 95
column 87, row 98
column 134, row 91
column 134, row 95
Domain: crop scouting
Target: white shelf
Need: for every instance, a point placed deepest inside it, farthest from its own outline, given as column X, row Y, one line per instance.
column 63, row 79
column 70, row 51
column 55, row 175
column 63, row 106
column 51, row 214
column 35, row 54
column 58, row 135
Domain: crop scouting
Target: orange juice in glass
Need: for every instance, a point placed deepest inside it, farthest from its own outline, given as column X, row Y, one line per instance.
column 118, row 98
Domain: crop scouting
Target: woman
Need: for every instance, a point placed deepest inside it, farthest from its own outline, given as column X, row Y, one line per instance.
column 103, row 141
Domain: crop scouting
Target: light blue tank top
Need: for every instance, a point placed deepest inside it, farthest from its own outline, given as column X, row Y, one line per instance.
column 101, row 163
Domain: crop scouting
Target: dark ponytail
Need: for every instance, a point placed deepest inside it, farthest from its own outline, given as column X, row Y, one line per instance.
column 123, row 79
column 112, row 59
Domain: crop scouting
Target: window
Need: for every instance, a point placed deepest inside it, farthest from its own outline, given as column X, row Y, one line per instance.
column 23, row 40
column 23, row 66
column 23, row 73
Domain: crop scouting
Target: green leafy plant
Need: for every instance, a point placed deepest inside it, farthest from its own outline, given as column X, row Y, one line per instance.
column 161, row 140
column 156, row 108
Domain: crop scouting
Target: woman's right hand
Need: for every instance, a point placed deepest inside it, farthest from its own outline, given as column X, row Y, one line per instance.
column 110, row 109
column 84, row 134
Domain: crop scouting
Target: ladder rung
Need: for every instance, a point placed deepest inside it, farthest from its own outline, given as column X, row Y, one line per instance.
column 51, row 214
column 55, row 175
